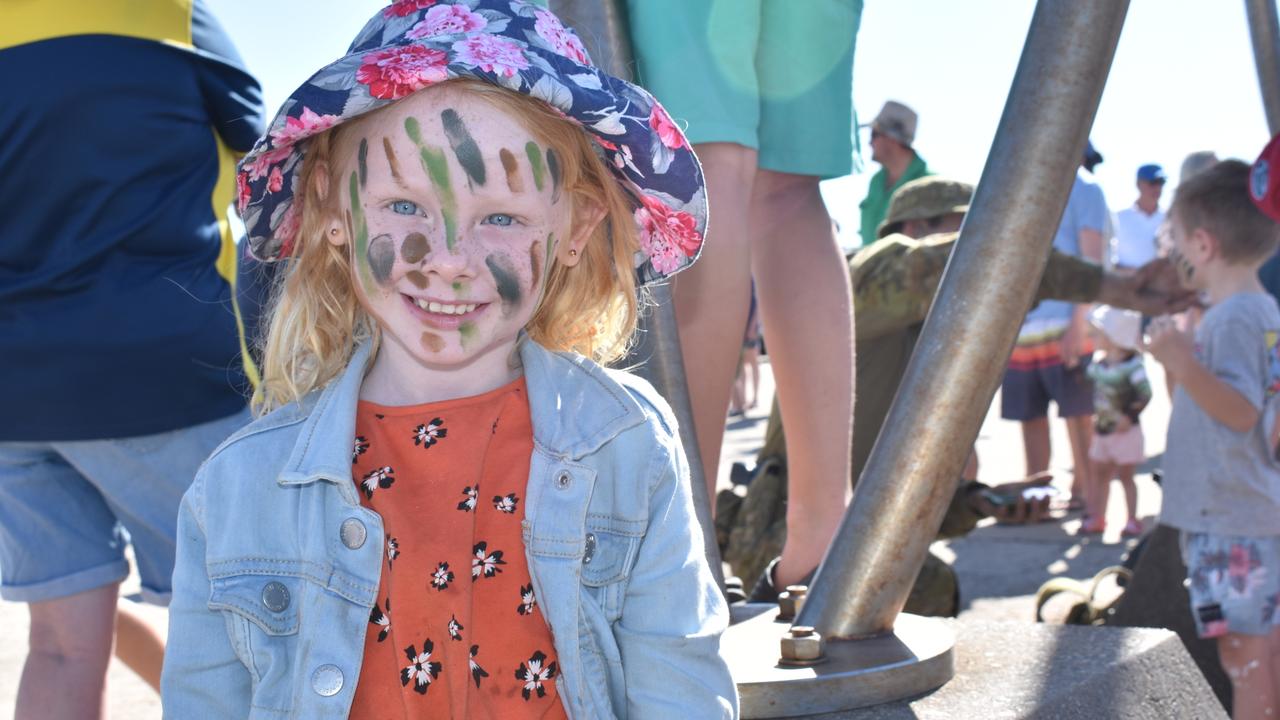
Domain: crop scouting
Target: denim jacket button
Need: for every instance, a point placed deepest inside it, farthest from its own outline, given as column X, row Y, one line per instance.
column 563, row 479
column 590, row 549
column 353, row 533
column 275, row 596
column 327, row 680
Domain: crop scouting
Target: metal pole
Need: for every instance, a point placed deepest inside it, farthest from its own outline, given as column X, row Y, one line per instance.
column 1264, row 30
column 602, row 26
column 988, row 285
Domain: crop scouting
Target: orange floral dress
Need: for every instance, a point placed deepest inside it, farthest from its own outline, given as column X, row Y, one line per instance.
column 457, row 631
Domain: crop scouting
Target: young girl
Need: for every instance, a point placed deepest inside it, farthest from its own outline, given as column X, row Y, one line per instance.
column 449, row 511
column 1121, row 391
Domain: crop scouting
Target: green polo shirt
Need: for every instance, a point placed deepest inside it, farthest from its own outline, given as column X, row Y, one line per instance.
column 876, row 204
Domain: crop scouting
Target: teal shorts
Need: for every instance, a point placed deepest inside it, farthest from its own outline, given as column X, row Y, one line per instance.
column 773, row 75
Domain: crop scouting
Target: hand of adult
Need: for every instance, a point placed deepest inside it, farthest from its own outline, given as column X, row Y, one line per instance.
column 1153, row 289
column 1072, row 345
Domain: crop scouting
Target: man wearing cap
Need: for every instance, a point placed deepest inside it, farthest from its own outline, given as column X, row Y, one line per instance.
column 894, row 282
column 892, row 133
column 1134, row 243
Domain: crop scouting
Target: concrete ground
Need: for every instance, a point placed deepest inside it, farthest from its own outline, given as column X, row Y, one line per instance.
column 1000, row 568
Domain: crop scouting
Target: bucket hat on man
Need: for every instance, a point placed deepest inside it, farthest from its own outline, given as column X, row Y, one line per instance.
column 414, row 44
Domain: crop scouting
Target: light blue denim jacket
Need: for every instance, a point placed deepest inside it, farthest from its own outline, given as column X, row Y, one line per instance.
column 278, row 564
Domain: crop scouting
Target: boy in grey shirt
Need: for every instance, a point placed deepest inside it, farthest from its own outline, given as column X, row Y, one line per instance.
column 1222, row 480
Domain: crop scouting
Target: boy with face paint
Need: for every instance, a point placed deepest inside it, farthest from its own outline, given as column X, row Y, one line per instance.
column 461, row 255
column 1221, row 475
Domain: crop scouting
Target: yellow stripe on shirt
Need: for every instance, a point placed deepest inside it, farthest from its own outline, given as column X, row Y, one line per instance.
column 29, row 21
column 228, row 254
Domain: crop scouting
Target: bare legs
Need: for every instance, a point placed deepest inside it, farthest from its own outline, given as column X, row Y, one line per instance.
column 1035, row 442
column 1249, row 663
column 807, row 310
column 70, row 646
column 139, row 646
column 781, row 231
column 712, row 297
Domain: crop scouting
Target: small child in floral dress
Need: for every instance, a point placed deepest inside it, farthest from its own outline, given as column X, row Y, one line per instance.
column 449, row 509
column 1120, row 392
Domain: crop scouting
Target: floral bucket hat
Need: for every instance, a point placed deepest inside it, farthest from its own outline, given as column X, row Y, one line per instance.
column 414, row 44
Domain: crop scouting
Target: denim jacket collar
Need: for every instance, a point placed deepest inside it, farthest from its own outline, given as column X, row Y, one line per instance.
column 575, row 411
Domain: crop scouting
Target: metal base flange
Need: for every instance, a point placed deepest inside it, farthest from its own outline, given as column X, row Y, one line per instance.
column 916, row 658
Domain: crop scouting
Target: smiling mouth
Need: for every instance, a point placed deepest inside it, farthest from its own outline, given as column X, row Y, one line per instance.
column 443, row 315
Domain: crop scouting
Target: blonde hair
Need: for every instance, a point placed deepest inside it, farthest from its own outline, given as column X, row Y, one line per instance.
column 314, row 319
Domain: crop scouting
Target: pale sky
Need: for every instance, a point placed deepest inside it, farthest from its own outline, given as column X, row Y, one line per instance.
column 1183, row 78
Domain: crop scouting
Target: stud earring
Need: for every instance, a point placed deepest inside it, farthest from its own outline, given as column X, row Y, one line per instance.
column 573, row 253
column 333, row 231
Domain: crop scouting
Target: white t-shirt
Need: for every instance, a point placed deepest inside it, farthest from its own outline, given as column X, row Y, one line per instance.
column 1134, row 244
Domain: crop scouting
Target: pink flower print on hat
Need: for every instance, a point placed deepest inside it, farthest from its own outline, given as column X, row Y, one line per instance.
column 260, row 167
column 447, row 20
column 491, row 53
column 563, row 42
column 668, row 133
column 398, row 71
column 305, row 125
column 669, row 237
column 403, row 8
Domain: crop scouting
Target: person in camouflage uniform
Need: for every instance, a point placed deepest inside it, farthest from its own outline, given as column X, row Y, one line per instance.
column 894, row 281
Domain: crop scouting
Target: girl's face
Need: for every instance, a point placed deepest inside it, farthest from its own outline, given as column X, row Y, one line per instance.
column 453, row 212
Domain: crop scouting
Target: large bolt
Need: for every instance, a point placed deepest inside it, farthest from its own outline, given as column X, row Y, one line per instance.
column 801, row 645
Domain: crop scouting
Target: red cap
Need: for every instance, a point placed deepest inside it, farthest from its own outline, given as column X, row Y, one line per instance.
column 1264, row 180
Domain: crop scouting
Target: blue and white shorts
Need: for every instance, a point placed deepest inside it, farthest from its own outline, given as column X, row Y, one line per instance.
column 1234, row 583
column 68, row 508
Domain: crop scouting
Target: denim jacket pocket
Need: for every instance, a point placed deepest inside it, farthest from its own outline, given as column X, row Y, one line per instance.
column 262, row 614
column 607, row 559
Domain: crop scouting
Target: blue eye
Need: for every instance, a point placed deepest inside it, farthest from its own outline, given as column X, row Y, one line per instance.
column 404, row 207
column 499, row 219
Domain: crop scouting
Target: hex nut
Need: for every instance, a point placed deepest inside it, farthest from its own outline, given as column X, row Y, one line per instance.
column 804, row 645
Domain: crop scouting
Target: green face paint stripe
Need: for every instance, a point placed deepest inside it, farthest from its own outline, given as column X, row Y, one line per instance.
column 505, row 281
column 415, row 247
column 437, row 168
column 534, row 153
column 464, row 146
column 553, row 168
column 362, row 162
column 467, row 331
column 509, row 165
column 382, row 258
column 393, row 163
column 361, row 234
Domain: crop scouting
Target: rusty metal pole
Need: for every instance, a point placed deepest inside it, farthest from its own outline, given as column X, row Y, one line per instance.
column 602, row 26
column 1264, row 30
column 988, row 285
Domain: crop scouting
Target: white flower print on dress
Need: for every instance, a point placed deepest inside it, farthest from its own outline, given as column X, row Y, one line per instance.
column 361, row 445
column 537, row 672
column 393, row 551
column 472, row 494
column 527, row 601
column 420, row 670
column 441, row 578
column 484, row 562
column 477, row 672
column 506, row 503
column 427, row 435
column 376, row 478
column 382, row 620
column 455, row 628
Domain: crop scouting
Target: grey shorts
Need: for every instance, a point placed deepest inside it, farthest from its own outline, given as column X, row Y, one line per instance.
column 1234, row 583
column 67, row 509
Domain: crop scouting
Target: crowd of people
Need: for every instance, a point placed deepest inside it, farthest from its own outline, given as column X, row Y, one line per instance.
column 372, row 455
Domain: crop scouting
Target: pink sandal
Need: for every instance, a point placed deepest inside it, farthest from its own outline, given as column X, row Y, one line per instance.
column 1133, row 528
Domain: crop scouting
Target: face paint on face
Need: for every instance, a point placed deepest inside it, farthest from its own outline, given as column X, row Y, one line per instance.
column 515, row 183
column 360, row 235
column 1186, row 271
column 382, row 258
column 535, row 261
column 460, row 288
column 534, row 154
column 432, row 342
column 393, row 163
column 505, row 281
column 437, row 169
column 553, row 168
column 362, row 162
column 419, row 280
column 414, row 248
column 464, row 146
column 466, row 333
